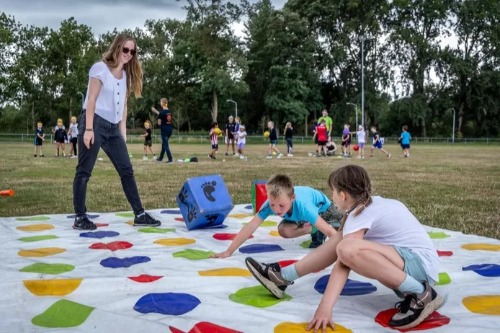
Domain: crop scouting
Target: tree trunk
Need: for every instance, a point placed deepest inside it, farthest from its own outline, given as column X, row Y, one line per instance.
column 215, row 106
column 424, row 128
column 69, row 110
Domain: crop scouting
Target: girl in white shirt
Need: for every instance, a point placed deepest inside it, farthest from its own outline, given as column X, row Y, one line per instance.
column 378, row 238
column 102, row 124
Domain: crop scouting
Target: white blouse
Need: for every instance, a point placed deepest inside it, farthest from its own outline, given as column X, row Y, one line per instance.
column 110, row 102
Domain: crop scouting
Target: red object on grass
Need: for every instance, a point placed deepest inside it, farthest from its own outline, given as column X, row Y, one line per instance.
column 7, row 193
column 355, row 147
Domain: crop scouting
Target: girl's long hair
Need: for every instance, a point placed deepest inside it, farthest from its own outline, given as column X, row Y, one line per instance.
column 132, row 68
column 354, row 180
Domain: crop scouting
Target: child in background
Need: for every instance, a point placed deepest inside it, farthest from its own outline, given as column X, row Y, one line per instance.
column 241, row 139
column 60, row 137
column 289, row 138
column 346, row 141
column 378, row 238
column 405, row 141
column 273, row 141
column 377, row 142
column 39, row 139
column 330, row 147
column 148, row 141
column 73, row 138
column 214, row 139
column 237, row 123
column 322, row 136
column 230, row 130
column 304, row 211
column 361, row 138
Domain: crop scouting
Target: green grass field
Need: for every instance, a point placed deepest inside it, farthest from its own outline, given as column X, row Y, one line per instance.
column 452, row 187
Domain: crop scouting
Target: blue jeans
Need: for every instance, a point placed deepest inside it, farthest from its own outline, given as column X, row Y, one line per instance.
column 108, row 137
column 289, row 145
column 165, row 136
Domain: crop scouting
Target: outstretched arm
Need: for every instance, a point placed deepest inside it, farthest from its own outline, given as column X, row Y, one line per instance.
column 241, row 237
column 155, row 111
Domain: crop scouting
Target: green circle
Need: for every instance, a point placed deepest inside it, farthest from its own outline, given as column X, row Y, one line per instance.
column 125, row 214
column 438, row 235
column 444, row 278
column 33, row 218
column 47, row 268
column 156, row 230
column 37, row 238
column 257, row 296
column 193, row 254
column 63, row 313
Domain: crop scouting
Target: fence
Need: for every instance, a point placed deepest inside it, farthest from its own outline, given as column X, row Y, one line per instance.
column 257, row 139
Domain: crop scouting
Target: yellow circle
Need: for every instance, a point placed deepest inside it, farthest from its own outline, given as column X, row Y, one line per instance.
column 481, row 246
column 288, row 327
column 55, row 287
column 274, row 233
column 36, row 227
column 240, row 215
column 236, row 271
column 485, row 304
column 42, row 252
column 174, row 241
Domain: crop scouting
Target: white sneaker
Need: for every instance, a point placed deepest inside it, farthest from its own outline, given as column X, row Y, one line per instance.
column 242, row 157
column 236, row 155
column 269, row 157
column 145, row 158
column 280, row 155
column 289, row 155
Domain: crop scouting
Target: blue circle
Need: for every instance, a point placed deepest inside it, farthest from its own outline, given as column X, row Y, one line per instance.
column 113, row 262
column 259, row 248
column 351, row 288
column 171, row 211
column 99, row 234
column 167, row 303
column 487, row 270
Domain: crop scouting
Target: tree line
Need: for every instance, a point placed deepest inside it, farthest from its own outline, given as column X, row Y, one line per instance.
column 392, row 59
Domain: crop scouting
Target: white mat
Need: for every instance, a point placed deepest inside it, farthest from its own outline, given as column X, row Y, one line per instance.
column 105, row 297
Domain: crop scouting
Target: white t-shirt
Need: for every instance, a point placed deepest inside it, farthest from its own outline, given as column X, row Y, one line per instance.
column 389, row 222
column 74, row 130
column 360, row 135
column 111, row 100
column 242, row 137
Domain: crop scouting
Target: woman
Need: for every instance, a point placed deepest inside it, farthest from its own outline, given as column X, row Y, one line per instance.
column 102, row 124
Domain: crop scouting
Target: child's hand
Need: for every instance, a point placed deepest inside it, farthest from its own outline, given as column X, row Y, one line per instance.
column 221, row 255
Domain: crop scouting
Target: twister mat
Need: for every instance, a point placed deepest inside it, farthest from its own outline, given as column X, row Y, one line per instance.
column 121, row 278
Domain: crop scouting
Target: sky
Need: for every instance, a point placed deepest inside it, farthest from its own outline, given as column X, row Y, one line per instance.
column 100, row 15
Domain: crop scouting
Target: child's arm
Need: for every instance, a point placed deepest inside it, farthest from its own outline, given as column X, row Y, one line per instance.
column 155, row 111
column 241, row 237
column 325, row 228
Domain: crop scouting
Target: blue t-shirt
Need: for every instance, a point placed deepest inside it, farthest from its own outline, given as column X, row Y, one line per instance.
column 307, row 206
column 405, row 138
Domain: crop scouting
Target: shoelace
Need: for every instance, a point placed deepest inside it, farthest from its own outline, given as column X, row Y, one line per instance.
column 404, row 305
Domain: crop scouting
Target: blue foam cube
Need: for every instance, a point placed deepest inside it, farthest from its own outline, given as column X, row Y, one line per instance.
column 204, row 202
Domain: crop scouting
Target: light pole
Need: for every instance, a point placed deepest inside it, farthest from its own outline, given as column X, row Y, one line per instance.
column 356, row 106
column 453, row 131
column 83, row 98
column 363, row 80
column 235, row 107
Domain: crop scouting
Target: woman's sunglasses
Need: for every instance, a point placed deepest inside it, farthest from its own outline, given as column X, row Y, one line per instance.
column 126, row 50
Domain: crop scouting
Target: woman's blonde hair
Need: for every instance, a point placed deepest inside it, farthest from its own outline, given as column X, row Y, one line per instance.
column 354, row 180
column 279, row 185
column 132, row 68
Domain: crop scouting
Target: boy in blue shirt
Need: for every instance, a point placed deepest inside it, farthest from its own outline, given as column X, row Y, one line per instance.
column 304, row 211
column 405, row 141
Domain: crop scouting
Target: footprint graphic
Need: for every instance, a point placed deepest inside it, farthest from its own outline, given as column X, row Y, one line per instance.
column 208, row 189
column 183, row 195
column 211, row 219
column 191, row 214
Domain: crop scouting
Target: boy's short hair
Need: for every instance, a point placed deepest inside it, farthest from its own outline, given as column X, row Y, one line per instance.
column 405, row 128
column 214, row 124
column 164, row 101
column 279, row 185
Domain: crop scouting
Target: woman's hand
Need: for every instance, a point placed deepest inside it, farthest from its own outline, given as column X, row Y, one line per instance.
column 221, row 255
column 88, row 138
column 322, row 320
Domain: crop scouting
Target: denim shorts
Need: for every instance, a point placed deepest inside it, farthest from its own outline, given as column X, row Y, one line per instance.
column 413, row 264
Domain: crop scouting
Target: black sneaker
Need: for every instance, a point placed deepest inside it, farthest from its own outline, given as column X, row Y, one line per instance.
column 317, row 238
column 146, row 220
column 415, row 308
column 269, row 275
column 83, row 223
